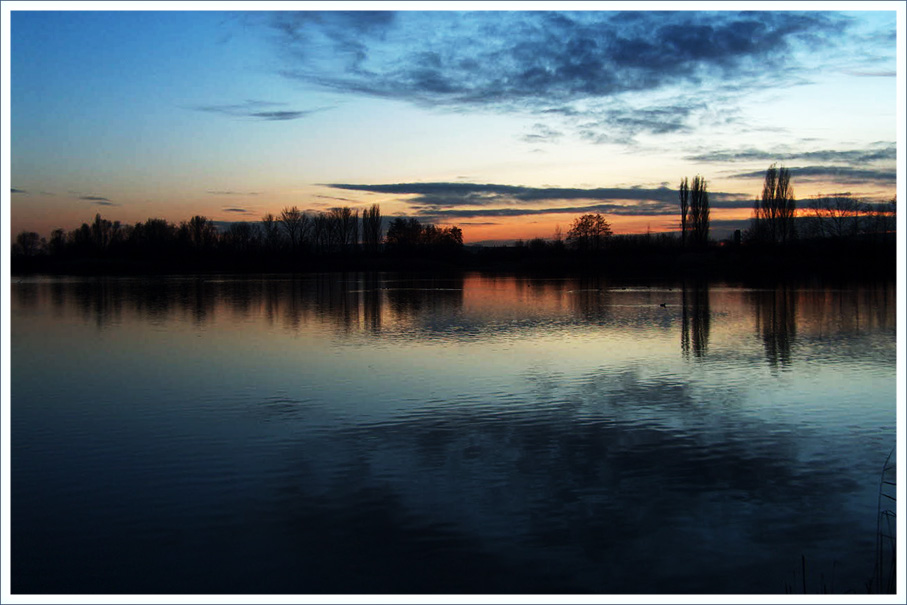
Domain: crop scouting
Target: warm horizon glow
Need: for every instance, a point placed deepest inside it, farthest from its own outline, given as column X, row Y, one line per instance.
column 487, row 125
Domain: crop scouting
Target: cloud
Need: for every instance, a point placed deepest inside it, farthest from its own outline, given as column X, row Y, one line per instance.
column 882, row 151
column 337, row 198
column 586, row 69
column 232, row 192
column 837, row 174
column 542, row 133
column 257, row 110
column 881, row 73
column 445, row 201
column 539, row 60
column 622, row 123
column 98, row 200
column 14, row 190
column 279, row 115
column 240, row 210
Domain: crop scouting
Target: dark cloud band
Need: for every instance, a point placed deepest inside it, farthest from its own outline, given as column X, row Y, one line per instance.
column 874, row 153
column 259, row 110
column 837, row 174
column 534, row 59
column 445, row 201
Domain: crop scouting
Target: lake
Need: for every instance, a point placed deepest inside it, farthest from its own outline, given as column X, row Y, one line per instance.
column 381, row 433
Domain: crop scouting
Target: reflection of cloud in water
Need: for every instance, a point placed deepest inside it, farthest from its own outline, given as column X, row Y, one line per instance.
column 407, row 469
column 595, row 488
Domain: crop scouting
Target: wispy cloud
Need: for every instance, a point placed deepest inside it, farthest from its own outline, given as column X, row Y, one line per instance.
column 98, row 200
column 232, row 192
column 881, row 73
column 837, row 174
column 542, row 133
column 337, row 198
column 882, row 151
column 259, row 110
column 14, row 190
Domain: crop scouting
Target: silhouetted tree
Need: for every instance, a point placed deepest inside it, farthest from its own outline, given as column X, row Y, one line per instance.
column 837, row 215
column 57, row 243
column 403, row 234
column 104, row 233
column 344, row 228
column 28, row 243
column 271, row 232
column 371, row 228
column 699, row 212
column 80, row 239
column 589, row 233
column 199, row 232
column 880, row 220
column 295, row 223
column 684, row 209
column 320, row 232
column 408, row 235
column 440, row 238
column 775, row 210
column 241, row 237
column 152, row 238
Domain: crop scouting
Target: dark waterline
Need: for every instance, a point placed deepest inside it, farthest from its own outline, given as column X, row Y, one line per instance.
column 373, row 433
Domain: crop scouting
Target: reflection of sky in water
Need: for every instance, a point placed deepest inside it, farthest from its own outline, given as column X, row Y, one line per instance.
column 544, row 430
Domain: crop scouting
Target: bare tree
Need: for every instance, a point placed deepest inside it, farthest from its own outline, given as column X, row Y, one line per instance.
column 28, row 243
column 699, row 212
column 837, row 215
column 295, row 223
column 105, row 233
column 241, row 237
column 344, row 227
column 199, row 232
column 371, row 228
column 774, row 212
column 271, row 229
column 879, row 219
column 684, row 209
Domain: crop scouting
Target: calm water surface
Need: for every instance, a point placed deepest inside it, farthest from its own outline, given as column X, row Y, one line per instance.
column 379, row 434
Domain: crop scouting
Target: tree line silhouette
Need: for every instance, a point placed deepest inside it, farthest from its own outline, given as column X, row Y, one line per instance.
column 291, row 240
column 832, row 234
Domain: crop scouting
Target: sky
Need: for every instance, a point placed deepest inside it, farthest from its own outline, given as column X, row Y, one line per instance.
column 508, row 123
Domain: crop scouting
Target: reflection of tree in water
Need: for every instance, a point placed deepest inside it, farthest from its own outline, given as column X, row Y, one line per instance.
column 99, row 300
column 197, row 298
column 409, row 298
column 854, row 309
column 27, row 295
column 370, row 300
column 696, row 319
column 590, row 298
column 350, row 303
column 775, row 313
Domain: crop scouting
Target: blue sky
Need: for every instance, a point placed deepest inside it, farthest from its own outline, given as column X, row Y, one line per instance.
column 506, row 123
